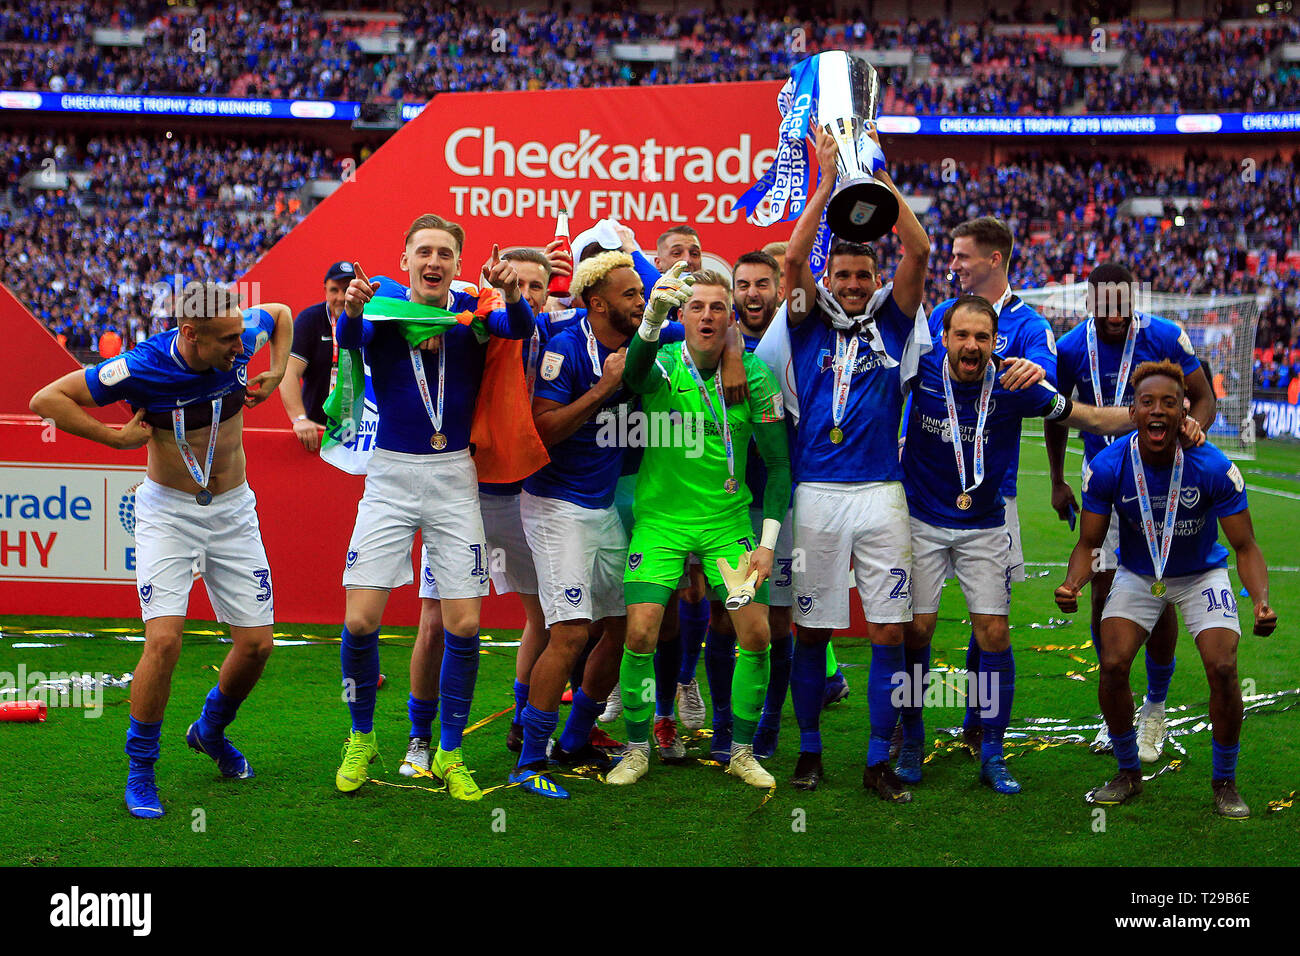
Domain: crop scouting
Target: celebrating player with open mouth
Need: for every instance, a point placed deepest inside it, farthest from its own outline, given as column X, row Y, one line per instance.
column 189, row 386
column 421, row 476
column 852, row 344
column 1096, row 360
column 1161, row 492
column 691, row 498
column 972, row 402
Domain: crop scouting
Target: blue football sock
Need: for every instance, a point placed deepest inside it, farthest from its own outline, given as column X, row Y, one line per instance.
column 972, row 719
column 360, row 653
column 807, row 684
column 582, row 717
column 521, row 701
column 668, row 661
column 1158, row 678
column 778, row 684
column 459, row 671
column 539, row 725
column 997, row 691
column 693, row 622
column 886, row 661
column 1126, row 749
column 142, row 745
column 720, row 667
column 918, row 666
column 1225, row 760
column 421, row 713
column 218, row 714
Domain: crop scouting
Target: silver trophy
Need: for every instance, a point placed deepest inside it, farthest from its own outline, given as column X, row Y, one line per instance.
column 862, row 209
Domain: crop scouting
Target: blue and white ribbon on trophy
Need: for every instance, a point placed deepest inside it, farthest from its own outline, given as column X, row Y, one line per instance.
column 785, row 184
column 815, row 93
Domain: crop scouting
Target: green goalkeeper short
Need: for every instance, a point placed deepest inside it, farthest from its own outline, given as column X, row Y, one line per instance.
column 657, row 552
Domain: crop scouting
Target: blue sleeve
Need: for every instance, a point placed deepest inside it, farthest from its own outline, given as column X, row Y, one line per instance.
column 646, row 270
column 515, row 321
column 1039, row 401
column 561, row 387
column 1065, row 380
column 553, row 323
column 1228, row 490
column 259, row 326
column 1180, row 349
column 111, row 381
column 1039, row 345
column 1099, row 486
column 671, row 333
column 354, row 333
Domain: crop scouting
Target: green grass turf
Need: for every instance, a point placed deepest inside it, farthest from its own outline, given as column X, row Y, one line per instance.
column 60, row 793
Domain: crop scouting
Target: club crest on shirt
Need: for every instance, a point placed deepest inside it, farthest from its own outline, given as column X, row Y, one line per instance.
column 352, row 558
column 573, row 596
column 146, row 593
column 551, row 363
column 634, row 561
column 1000, row 344
column 805, row 602
column 1087, row 475
column 114, row 371
column 1189, row 497
column 241, row 374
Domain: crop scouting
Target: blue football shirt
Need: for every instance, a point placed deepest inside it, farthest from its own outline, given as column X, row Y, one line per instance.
column 1212, row 488
column 1157, row 339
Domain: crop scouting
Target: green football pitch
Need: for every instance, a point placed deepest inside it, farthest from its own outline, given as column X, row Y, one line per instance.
column 61, row 789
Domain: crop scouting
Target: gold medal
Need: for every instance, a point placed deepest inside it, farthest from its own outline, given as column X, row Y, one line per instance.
column 837, row 435
column 1158, row 589
column 964, row 501
column 438, row 441
column 731, row 486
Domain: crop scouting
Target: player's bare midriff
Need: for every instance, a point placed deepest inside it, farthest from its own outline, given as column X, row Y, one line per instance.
column 167, row 467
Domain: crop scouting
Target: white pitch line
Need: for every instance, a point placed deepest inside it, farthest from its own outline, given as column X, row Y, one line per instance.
column 1062, row 564
column 1255, row 488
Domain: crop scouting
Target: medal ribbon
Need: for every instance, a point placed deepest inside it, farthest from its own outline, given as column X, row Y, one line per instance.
column 986, row 390
column 1158, row 561
column 591, row 348
column 417, row 366
column 200, row 475
column 846, row 356
column 723, row 426
column 530, row 370
column 1125, row 363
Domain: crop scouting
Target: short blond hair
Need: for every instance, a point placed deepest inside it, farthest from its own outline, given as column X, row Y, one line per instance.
column 592, row 272
column 711, row 277
column 433, row 221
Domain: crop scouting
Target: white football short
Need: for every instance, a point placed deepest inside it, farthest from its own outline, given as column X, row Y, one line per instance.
column 1108, row 560
column 579, row 555
column 978, row 556
column 862, row 522
column 177, row 538
column 780, row 586
column 1016, row 559
column 1204, row 600
column 437, row 494
column 510, row 562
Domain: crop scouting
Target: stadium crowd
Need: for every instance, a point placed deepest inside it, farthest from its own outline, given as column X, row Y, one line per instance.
column 92, row 259
column 107, row 243
column 266, row 48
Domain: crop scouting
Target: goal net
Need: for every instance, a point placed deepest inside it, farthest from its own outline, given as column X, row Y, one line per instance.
column 1222, row 331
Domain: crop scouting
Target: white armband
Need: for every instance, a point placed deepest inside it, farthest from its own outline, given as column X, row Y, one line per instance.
column 771, row 528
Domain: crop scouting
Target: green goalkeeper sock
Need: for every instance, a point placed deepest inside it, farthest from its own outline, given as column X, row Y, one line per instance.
column 832, row 665
column 636, row 679
column 748, row 690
